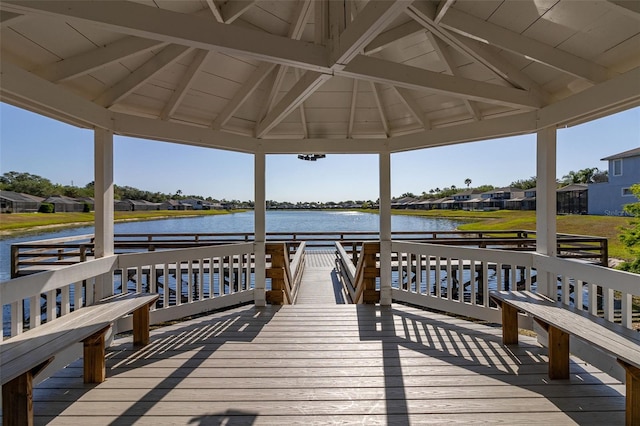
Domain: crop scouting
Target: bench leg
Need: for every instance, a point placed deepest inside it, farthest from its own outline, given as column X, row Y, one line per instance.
column 17, row 398
column 558, row 354
column 95, row 370
column 141, row 326
column 509, row 324
column 632, row 416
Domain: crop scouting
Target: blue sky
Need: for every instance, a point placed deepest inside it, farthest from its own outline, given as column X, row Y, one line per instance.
column 38, row 145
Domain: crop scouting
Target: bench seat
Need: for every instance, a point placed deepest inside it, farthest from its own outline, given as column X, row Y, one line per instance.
column 561, row 321
column 23, row 356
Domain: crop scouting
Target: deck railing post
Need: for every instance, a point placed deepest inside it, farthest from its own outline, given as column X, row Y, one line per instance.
column 259, row 290
column 546, row 239
column 385, row 228
column 103, row 189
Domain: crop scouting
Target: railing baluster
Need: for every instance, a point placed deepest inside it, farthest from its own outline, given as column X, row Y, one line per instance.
column 626, row 307
column 77, row 295
column 190, row 284
column 17, row 316
column 607, row 295
column 51, row 305
column 577, row 295
column 34, row 311
column 65, row 302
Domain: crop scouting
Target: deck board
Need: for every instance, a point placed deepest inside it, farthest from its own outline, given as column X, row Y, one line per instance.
column 293, row 365
column 320, row 284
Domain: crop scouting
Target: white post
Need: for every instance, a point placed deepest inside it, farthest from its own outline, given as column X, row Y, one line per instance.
column 385, row 228
column 259, row 291
column 103, row 197
column 546, row 240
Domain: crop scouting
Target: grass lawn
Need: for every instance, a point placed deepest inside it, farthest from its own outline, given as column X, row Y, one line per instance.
column 20, row 222
column 596, row 226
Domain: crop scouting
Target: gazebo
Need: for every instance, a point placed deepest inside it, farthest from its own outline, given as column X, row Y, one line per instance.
column 327, row 77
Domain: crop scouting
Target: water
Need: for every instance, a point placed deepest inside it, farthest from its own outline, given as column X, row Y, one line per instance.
column 277, row 221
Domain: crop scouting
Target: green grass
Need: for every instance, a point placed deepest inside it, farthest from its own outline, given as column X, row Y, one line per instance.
column 22, row 222
column 597, row 226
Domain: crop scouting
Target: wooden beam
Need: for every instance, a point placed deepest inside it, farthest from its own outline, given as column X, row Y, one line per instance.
column 371, row 21
column 247, row 88
column 383, row 116
column 86, row 62
column 9, row 18
column 26, row 90
column 487, row 32
column 140, row 76
column 386, row 72
column 388, row 37
column 124, row 124
column 184, row 85
column 511, row 125
column 188, row 30
column 304, row 88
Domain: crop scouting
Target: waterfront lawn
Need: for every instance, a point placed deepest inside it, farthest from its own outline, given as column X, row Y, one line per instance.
column 17, row 222
column 597, row 226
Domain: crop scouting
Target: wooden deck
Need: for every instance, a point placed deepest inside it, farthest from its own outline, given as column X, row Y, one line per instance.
column 358, row 364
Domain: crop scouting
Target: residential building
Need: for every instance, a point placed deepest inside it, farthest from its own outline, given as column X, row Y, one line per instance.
column 609, row 198
column 13, row 202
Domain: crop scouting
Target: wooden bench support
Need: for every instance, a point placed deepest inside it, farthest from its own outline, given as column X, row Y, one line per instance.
column 17, row 397
column 509, row 324
column 558, row 353
column 141, row 325
column 95, row 370
column 632, row 416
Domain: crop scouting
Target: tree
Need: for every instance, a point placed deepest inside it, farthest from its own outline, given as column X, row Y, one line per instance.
column 467, row 182
column 27, row 183
column 630, row 237
column 581, row 176
column 525, row 183
column 409, row 195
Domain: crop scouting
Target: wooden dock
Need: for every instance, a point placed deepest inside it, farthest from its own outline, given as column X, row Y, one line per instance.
column 320, row 284
column 353, row 364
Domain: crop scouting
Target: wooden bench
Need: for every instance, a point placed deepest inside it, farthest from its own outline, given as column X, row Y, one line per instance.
column 561, row 321
column 23, row 356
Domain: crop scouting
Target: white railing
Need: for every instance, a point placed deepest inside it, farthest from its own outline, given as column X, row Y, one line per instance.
column 458, row 280
column 189, row 281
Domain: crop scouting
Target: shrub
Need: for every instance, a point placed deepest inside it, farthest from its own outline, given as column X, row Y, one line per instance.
column 46, row 208
column 86, row 208
column 630, row 237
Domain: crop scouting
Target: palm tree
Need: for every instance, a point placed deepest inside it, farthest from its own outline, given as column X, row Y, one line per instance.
column 467, row 182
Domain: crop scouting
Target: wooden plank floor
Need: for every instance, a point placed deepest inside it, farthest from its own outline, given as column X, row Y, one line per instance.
column 320, row 284
column 351, row 364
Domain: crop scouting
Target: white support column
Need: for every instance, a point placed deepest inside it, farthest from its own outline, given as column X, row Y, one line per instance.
column 259, row 292
column 103, row 195
column 385, row 228
column 546, row 240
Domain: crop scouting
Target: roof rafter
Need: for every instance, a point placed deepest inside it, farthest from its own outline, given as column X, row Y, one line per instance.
column 442, row 9
column 137, row 78
column 232, row 9
column 381, row 71
column 185, row 83
column 247, row 88
column 86, row 62
column 352, row 111
column 189, row 30
column 304, row 88
column 385, row 38
column 371, row 21
column 449, row 65
column 8, row 18
column 411, row 104
column 215, row 10
column 475, row 28
column 383, row 115
column 423, row 13
column 303, row 112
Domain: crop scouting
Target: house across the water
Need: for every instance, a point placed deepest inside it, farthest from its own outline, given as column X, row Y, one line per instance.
column 609, row 198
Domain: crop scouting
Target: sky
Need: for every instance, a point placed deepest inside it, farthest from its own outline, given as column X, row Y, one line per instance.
column 38, row 145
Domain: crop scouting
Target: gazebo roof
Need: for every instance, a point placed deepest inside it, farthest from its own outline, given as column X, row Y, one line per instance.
column 318, row 77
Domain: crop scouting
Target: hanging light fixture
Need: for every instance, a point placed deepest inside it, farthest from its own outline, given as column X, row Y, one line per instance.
column 310, row 157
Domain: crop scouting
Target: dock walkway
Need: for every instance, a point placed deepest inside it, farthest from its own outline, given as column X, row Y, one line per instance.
column 320, row 284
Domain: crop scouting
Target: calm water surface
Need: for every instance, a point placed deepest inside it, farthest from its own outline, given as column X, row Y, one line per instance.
column 277, row 221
